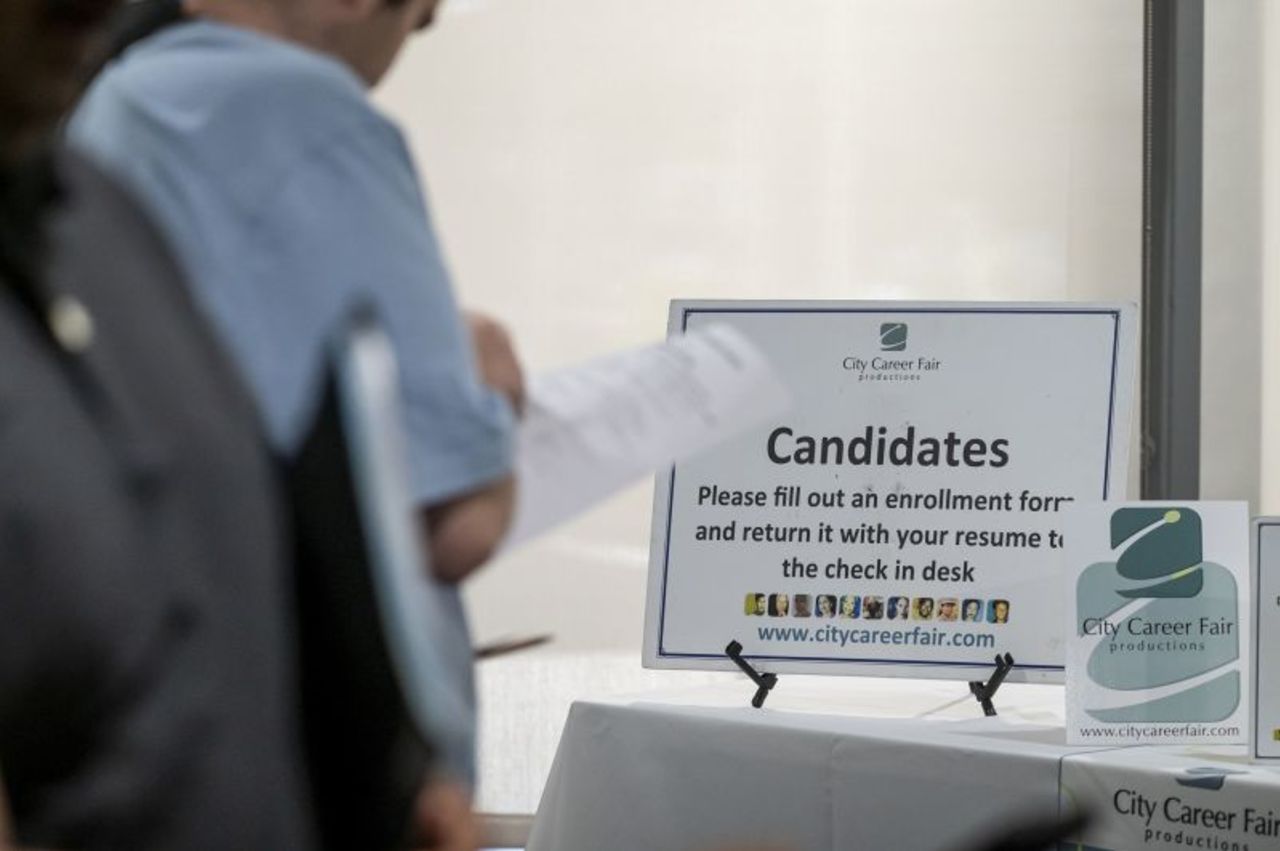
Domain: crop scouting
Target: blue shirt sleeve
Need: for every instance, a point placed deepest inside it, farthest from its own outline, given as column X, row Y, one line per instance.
column 349, row 228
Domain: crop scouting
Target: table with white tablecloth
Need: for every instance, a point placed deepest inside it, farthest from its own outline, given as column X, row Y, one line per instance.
column 657, row 773
column 646, row 775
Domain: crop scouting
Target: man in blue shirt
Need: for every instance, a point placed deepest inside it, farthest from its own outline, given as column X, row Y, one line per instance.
column 249, row 133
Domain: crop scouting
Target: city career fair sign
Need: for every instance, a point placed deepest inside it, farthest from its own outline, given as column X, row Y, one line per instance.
column 1158, row 799
column 904, row 518
column 1157, row 603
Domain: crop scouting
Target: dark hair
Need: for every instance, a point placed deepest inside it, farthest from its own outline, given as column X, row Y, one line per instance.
column 137, row 21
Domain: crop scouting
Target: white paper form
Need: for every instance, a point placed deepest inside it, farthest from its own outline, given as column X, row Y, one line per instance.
column 592, row 429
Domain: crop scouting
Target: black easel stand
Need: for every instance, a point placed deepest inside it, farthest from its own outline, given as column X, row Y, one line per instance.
column 984, row 693
column 764, row 682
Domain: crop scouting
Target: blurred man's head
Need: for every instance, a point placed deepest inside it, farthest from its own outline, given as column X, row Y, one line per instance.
column 46, row 50
column 365, row 34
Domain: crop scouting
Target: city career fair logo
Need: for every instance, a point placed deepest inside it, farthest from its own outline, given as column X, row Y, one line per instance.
column 1195, row 814
column 893, row 337
column 887, row 367
column 1164, row 622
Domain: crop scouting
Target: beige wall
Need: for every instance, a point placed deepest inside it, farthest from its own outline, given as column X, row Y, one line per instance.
column 1270, row 467
column 1232, row 351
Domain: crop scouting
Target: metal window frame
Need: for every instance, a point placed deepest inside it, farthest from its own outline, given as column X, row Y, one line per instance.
column 1173, row 128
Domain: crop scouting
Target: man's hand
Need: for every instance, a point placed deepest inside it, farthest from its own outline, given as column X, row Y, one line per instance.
column 463, row 533
column 443, row 819
column 496, row 359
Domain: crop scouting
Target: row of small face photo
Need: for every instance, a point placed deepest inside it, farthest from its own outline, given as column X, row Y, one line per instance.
column 877, row 607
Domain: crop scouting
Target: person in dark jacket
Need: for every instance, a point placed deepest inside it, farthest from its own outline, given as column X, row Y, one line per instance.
column 149, row 678
column 147, row 675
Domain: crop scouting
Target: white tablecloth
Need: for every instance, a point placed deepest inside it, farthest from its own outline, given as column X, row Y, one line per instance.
column 647, row 774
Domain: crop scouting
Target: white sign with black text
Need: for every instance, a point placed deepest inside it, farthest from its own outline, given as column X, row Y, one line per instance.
column 904, row 519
